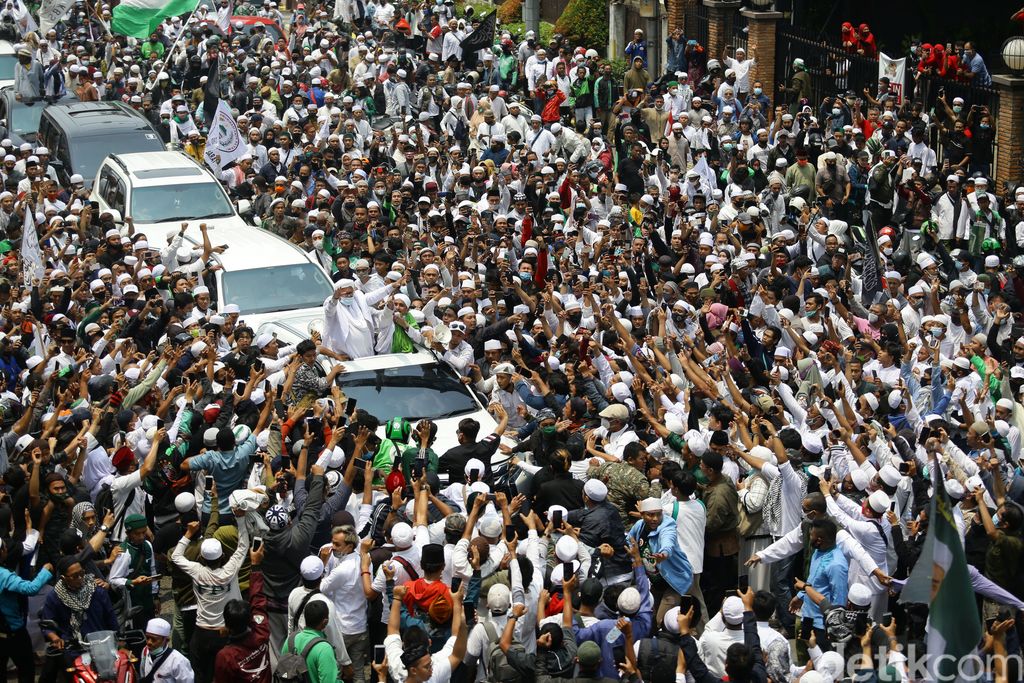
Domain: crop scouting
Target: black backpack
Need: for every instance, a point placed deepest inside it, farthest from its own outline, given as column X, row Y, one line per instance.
column 292, row 667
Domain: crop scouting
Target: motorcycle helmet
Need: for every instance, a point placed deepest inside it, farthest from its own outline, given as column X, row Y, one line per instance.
column 398, row 429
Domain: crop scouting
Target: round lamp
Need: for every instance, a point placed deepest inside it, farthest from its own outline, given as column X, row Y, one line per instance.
column 1012, row 53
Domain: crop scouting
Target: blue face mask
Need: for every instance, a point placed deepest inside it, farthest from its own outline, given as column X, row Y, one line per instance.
column 757, row 91
column 983, row 126
column 156, row 652
column 935, row 332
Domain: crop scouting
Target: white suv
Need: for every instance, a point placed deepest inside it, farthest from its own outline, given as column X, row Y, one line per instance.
column 275, row 284
column 160, row 190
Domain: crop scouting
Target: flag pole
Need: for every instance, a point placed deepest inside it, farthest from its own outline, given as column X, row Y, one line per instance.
column 174, row 45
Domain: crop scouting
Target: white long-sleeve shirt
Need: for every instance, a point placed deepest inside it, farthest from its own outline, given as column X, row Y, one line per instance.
column 213, row 587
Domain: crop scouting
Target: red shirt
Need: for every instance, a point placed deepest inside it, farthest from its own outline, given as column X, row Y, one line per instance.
column 248, row 660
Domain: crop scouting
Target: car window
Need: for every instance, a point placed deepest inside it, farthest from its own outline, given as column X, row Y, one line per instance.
column 103, row 186
column 189, row 201
column 7, row 63
column 88, row 153
column 430, row 391
column 301, row 285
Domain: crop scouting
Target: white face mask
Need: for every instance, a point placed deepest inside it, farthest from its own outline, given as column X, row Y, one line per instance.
column 606, row 423
column 318, row 244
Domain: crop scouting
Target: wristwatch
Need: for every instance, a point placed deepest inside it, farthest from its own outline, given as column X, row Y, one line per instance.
column 104, row 528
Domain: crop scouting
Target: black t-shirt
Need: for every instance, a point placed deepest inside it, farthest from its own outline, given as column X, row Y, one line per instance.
column 454, row 461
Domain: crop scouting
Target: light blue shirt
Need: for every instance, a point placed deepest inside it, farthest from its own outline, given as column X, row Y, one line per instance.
column 227, row 468
column 828, row 576
column 977, row 65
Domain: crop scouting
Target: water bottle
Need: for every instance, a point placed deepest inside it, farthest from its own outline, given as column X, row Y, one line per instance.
column 613, row 635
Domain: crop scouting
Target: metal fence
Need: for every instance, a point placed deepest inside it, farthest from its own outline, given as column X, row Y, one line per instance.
column 697, row 23
column 832, row 70
column 740, row 35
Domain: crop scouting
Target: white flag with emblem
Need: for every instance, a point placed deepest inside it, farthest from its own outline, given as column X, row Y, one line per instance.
column 31, row 257
column 224, row 143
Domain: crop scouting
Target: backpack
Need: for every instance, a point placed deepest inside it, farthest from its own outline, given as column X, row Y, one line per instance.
column 654, row 654
column 291, row 667
column 460, row 130
column 430, row 599
column 495, row 660
column 105, row 503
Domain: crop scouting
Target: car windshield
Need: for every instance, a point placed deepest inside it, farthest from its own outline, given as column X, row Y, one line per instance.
column 191, row 201
column 88, row 153
column 415, row 392
column 276, row 288
column 7, row 63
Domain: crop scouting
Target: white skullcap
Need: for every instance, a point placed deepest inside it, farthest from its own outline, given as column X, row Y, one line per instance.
column 595, row 490
column 312, row 568
column 211, row 549
column 879, row 501
column 566, row 548
column 401, row 535
column 158, row 627
column 184, row 502
column 732, row 610
column 650, row 505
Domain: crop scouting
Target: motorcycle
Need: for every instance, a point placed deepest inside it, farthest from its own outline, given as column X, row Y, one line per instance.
column 106, row 656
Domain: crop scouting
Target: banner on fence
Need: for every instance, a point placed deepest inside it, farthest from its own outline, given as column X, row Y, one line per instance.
column 896, row 71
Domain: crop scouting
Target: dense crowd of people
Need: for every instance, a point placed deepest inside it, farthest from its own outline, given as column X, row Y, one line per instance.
column 736, row 347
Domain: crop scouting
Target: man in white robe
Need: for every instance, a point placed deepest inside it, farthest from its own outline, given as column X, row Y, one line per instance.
column 349, row 325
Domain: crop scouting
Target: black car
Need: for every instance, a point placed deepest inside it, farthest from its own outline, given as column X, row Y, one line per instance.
column 80, row 135
column 21, row 117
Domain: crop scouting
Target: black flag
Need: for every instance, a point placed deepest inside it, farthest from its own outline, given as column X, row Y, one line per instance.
column 211, row 91
column 481, row 38
column 871, row 275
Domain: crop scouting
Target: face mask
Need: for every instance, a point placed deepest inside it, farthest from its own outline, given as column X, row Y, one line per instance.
column 157, row 651
column 837, row 112
column 984, row 126
column 957, row 109
column 525, row 277
column 757, row 91
column 194, row 333
column 606, row 423
column 549, row 430
column 346, row 300
column 318, row 244
column 935, row 332
column 887, row 251
column 872, row 318
column 575, row 318
column 811, row 314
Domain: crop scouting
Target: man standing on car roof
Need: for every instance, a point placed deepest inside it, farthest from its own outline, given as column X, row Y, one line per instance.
column 28, row 77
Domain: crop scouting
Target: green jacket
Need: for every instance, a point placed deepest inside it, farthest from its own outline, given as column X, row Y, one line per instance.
column 320, row 664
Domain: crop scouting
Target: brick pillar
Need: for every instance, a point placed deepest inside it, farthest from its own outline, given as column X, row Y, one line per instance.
column 720, row 13
column 761, row 32
column 1009, row 122
column 688, row 20
column 677, row 12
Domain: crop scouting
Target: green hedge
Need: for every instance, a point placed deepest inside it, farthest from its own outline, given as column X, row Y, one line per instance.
column 585, row 22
